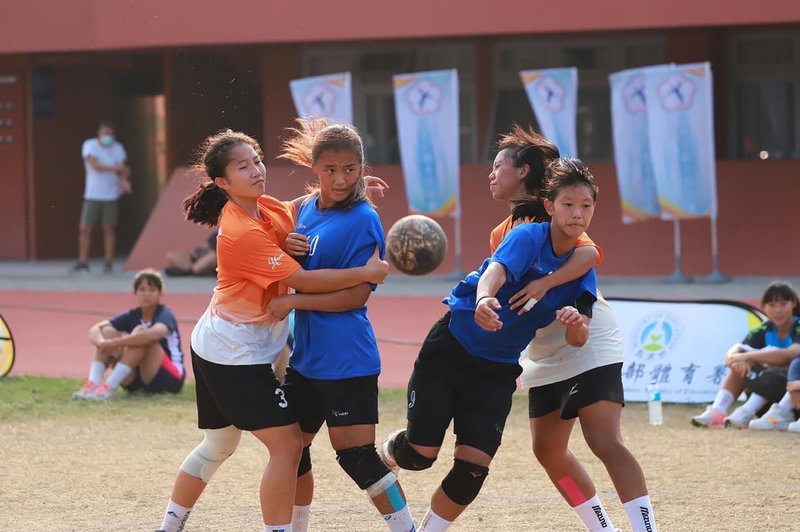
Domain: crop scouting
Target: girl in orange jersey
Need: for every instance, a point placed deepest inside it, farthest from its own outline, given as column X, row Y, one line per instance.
column 237, row 339
column 566, row 382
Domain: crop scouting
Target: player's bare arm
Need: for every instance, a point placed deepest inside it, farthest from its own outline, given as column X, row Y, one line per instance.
column 577, row 325
column 581, row 261
column 485, row 301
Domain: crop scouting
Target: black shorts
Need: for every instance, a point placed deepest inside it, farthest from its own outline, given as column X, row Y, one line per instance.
column 339, row 402
column 570, row 395
column 767, row 381
column 450, row 384
column 166, row 379
column 247, row 397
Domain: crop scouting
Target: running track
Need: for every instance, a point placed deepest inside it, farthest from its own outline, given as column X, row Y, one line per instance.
column 50, row 328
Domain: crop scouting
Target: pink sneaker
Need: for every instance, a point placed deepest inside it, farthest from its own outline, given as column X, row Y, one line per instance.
column 710, row 418
column 83, row 393
column 102, row 393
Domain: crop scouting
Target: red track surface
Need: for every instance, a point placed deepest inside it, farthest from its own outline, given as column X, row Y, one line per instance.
column 50, row 328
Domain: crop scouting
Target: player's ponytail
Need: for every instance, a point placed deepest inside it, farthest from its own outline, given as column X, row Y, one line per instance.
column 529, row 147
column 205, row 204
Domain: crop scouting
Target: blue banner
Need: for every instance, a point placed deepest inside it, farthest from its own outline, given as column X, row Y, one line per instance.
column 553, row 94
column 629, row 124
column 426, row 106
column 327, row 96
column 681, row 127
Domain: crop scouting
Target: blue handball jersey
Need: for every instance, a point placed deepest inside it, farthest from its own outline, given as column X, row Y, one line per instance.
column 337, row 345
column 527, row 254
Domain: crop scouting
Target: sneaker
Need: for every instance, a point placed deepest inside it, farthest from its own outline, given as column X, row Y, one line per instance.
column 740, row 419
column 776, row 418
column 88, row 388
column 386, row 451
column 80, row 267
column 711, row 417
column 794, row 426
column 103, row 392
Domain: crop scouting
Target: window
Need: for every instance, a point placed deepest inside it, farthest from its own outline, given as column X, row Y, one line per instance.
column 373, row 92
column 595, row 60
column 763, row 95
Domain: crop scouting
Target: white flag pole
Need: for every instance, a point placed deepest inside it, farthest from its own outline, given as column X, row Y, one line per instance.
column 715, row 276
column 677, row 276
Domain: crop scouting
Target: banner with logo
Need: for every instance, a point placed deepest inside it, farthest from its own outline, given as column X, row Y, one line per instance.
column 681, row 127
column 426, row 106
column 629, row 124
column 327, row 96
column 553, row 94
column 679, row 344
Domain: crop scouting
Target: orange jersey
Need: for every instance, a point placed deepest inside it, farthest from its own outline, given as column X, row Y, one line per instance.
column 506, row 225
column 251, row 262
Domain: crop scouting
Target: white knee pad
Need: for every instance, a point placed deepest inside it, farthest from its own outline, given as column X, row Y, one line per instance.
column 216, row 447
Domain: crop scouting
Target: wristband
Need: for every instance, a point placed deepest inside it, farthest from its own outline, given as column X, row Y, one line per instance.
column 480, row 299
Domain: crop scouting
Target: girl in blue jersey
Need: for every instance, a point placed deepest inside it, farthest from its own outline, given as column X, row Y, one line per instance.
column 467, row 367
column 334, row 366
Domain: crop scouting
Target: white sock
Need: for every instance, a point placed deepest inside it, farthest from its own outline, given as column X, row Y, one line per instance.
column 754, row 403
column 593, row 515
column 400, row 521
column 175, row 517
column 96, row 372
column 278, row 528
column 433, row 523
column 723, row 400
column 300, row 517
column 640, row 514
column 786, row 403
column 118, row 374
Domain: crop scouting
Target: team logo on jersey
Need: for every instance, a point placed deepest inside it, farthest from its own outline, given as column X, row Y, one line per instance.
column 275, row 261
column 656, row 334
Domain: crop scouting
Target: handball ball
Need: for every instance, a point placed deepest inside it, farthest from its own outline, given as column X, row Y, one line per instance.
column 416, row 245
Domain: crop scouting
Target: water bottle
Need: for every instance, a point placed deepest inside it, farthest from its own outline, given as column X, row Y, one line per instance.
column 654, row 404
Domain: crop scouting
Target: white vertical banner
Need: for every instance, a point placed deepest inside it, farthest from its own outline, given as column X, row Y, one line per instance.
column 681, row 126
column 426, row 106
column 629, row 124
column 327, row 96
column 553, row 94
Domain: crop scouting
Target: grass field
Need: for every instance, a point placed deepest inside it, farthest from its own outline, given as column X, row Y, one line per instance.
column 71, row 465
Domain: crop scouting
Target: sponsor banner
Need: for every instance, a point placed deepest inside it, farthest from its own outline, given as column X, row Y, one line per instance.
column 327, row 96
column 681, row 129
column 679, row 344
column 553, row 94
column 426, row 106
column 635, row 177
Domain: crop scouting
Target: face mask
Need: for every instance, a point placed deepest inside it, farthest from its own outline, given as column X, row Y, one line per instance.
column 107, row 140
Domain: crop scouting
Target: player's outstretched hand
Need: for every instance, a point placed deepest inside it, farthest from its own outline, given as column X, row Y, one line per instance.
column 279, row 307
column 569, row 316
column 534, row 290
column 485, row 315
column 297, row 245
column 376, row 185
column 377, row 269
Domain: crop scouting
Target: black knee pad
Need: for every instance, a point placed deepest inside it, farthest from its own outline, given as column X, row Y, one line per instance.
column 769, row 383
column 305, row 462
column 406, row 457
column 463, row 483
column 362, row 464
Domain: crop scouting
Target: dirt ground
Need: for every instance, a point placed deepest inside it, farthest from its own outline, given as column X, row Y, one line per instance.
column 114, row 473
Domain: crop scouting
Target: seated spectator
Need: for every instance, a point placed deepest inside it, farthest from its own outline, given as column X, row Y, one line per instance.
column 141, row 345
column 759, row 365
column 203, row 261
